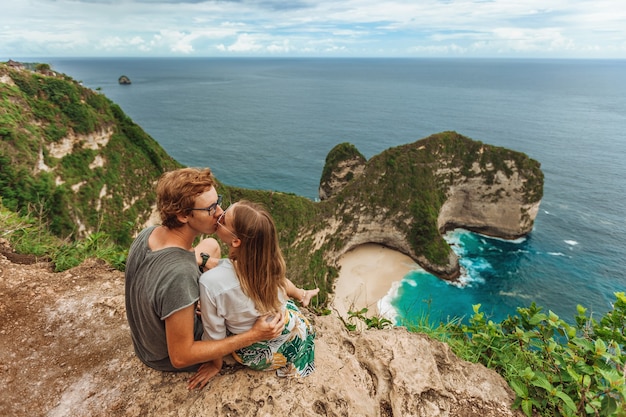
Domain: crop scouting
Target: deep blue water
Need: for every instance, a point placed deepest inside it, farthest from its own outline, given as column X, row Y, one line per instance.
column 269, row 124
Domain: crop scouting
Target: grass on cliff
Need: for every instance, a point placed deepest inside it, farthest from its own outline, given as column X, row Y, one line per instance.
column 27, row 234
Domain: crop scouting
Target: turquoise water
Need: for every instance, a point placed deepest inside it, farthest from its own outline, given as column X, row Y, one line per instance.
column 269, row 124
column 495, row 275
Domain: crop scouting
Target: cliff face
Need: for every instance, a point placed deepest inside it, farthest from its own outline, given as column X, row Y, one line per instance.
column 72, row 156
column 343, row 163
column 492, row 209
column 65, row 350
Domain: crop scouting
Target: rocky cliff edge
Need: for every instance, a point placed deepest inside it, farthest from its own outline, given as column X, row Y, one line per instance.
column 65, row 350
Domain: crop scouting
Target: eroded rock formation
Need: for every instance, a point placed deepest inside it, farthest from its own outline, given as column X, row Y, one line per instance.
column 408, row 196
column 343, row 163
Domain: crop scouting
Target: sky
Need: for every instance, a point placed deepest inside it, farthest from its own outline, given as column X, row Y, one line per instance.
column 313, row 28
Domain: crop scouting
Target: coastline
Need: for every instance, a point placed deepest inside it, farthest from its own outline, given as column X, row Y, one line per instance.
column 368, row 274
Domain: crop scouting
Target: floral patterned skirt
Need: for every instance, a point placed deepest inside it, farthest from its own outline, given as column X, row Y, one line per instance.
column 292, row 354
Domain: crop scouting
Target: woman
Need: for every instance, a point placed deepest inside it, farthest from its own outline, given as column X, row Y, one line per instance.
column 251, row 284
column 206, row 258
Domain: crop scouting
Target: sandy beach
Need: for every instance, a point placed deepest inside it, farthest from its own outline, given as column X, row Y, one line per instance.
column 366, row 276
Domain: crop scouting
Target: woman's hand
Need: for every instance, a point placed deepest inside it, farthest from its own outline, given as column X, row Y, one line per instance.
column 206, row 371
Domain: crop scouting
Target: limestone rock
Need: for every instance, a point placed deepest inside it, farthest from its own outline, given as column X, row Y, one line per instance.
column 343, row 163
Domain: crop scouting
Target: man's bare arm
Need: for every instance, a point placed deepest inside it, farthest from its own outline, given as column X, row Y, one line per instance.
column 184, row 351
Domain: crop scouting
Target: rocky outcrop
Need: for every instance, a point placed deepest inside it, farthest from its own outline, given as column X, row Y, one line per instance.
column 124, row 80
column 65, row 350
column 343, row 163
column 408, row 196
column 497, row 209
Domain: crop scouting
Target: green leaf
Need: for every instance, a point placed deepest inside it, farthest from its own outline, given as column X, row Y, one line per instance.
column 600, row 347
column 542, row 383
column 569, row 403
column 527, row 407
column 553, row 317
column 571, row 332
column 536, row 319
column 612, row 377
column 520, row 389
column 609, row 406
column 584, row 343
column 527, row 374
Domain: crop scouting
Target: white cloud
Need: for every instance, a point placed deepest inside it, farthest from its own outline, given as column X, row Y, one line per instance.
column 281, row 48
column 447, row 50
column 351, row 27
column 177, row 41
column 518, row 39
column 245, row 43
column 112, row 43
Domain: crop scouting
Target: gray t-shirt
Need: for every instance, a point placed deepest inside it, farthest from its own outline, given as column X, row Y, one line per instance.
column 158, row 284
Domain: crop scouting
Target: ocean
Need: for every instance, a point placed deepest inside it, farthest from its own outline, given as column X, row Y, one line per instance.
column 269, row 124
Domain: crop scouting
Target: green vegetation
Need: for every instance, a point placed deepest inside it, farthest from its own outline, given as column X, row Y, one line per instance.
column 340, row 153
column 30, row 235
column 373, row 322
column 555, row 369
column 71, row 156
column 43, row 68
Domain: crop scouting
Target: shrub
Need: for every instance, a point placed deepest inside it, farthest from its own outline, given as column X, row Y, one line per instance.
column 555, row 369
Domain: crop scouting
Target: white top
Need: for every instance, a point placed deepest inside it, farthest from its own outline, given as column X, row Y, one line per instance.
column 223, row 305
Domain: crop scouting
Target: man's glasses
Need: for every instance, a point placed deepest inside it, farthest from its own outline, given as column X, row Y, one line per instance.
column 212, row 208
column 220, row 222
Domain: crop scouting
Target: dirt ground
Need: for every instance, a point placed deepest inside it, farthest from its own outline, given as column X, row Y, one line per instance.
column 41, row 343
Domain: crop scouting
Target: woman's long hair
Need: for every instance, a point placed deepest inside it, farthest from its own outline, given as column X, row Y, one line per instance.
column 258, row 262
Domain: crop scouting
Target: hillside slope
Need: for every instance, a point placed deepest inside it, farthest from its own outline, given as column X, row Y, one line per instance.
column 71, row 156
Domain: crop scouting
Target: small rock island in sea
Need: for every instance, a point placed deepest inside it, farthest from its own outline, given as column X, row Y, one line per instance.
column 124, row 80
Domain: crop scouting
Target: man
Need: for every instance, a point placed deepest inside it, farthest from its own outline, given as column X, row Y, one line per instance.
column 162, row 280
